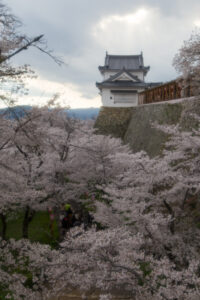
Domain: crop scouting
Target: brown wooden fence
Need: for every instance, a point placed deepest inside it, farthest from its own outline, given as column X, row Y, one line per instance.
column 165, row 92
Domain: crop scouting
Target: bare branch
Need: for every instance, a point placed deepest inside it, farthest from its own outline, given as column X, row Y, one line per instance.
column 171, row 224
column 25, row 47
column 56, row 59
column 185, row 198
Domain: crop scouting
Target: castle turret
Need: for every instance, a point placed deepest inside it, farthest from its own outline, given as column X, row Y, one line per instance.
column 123, row 79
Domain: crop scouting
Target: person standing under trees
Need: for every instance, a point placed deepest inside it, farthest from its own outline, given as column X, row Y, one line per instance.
column 69, row 218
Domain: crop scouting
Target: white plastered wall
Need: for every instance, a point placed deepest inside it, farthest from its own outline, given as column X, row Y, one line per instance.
column 117, row 100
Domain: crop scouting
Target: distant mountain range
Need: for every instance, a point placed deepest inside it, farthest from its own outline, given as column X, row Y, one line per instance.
column 77, row 113
column 83, row 113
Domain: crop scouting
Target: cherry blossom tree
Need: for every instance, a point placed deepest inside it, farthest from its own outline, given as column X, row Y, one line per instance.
column 149, row 209
column 35, row 162
column 26, row 269
column 12, row 42
column 187, row 62
column 150, row 246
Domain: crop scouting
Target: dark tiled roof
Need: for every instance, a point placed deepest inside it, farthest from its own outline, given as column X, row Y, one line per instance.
column 128, row 62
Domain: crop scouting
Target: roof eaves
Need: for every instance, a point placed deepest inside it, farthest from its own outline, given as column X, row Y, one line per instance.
column 123, row 56
column 106, row 68
column 125, row 84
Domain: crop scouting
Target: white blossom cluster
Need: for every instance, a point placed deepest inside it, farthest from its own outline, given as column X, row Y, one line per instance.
column 144, row 242
column 148, row 243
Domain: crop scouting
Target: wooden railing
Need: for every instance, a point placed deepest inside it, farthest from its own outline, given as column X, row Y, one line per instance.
column 165, row 92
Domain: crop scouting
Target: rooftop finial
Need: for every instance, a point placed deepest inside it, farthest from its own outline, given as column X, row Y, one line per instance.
column 106, row 58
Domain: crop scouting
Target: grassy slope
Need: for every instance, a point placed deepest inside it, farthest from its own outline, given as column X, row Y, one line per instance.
column 39, row 230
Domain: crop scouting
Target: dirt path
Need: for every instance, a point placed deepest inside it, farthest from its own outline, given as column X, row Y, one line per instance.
column 77, row 296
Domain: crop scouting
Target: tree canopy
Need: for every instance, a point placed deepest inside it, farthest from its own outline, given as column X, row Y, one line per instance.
column 144, row 238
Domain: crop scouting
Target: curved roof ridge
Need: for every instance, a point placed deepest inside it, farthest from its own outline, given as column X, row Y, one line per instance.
column 121, row 55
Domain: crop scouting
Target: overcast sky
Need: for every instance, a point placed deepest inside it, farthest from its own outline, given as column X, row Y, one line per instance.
column 81, row 31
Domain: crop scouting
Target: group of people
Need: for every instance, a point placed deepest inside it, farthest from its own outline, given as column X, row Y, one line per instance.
column 69, row 219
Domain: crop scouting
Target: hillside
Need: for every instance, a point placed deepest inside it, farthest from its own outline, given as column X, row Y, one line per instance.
column 83, row 113
column 77, row 113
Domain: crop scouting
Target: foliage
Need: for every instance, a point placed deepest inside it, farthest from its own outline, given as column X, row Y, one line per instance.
column 148, row 209
column 187, row 62
column 39, row 229
column 147, row 244
column 12, row 42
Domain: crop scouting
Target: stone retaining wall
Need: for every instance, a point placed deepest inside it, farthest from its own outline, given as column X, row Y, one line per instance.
column 113, row 120
column 134, row 125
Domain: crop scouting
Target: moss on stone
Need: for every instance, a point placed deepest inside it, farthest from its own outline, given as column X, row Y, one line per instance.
column 113, row 121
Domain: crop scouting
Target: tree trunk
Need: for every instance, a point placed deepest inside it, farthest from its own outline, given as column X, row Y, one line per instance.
column 60, row 229
column 28, row 217
column 4, row 226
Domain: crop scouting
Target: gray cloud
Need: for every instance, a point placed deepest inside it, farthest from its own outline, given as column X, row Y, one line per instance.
column 70, row 27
